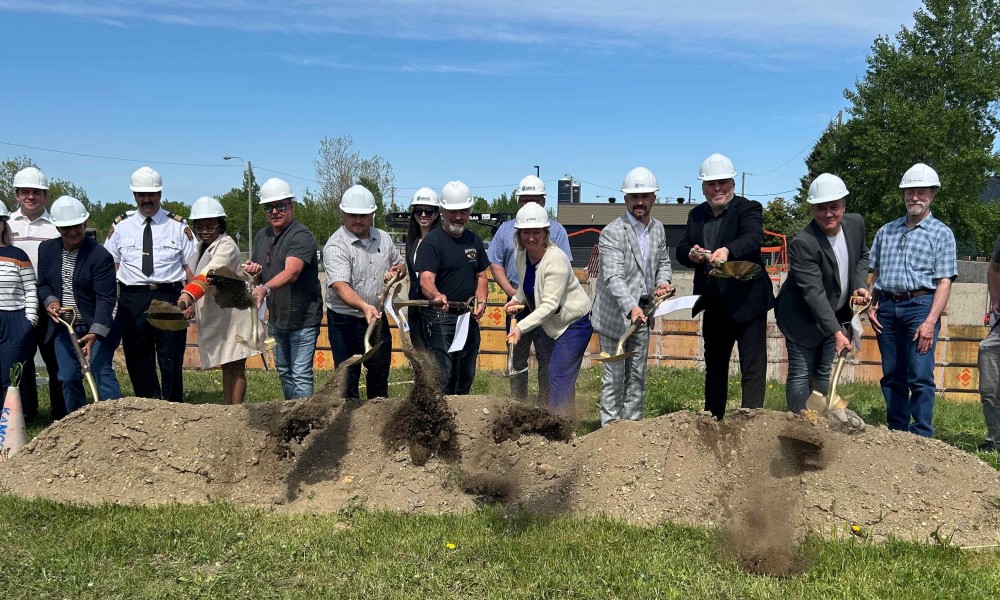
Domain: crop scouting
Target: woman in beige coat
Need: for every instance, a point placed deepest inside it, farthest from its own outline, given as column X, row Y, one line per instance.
column 559, row 305
column 217, row 326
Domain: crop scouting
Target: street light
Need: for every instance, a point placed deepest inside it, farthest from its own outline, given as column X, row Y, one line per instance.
column 249, row 205
column 537, row 171
column 689, row 193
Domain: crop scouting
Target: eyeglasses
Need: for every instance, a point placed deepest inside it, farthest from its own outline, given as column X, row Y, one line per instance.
column 425, row 212
column 205, row 228
column 282, row 207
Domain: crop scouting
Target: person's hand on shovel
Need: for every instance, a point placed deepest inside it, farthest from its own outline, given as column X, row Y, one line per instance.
column 664, row 290
column 514, row 336
column 513, row 307
column 55, row 310
column 87, row 343
column 841, row 343
column 637, row 316
column 371, row 313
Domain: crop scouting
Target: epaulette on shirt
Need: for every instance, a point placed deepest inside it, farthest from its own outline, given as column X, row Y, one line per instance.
column 180, row 219
column 118, row 220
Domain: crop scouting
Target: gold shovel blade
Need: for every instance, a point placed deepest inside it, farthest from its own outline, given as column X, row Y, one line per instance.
column 817, row 402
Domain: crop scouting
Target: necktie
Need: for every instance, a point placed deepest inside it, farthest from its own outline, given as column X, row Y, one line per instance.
column 147, row 248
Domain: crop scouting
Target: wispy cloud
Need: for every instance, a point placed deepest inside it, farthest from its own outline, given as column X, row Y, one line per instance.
column 705, row 23
column 485, row 68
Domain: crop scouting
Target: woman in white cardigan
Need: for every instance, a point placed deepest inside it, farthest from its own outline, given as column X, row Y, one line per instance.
column 558, row 303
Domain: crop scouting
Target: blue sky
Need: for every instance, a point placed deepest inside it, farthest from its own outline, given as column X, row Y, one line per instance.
column 477, row 90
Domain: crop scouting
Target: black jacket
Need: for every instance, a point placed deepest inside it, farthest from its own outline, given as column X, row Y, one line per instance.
column 94, row 284
column 741, row 231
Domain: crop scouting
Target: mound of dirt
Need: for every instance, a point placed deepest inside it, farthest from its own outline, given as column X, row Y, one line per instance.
column 324, row 454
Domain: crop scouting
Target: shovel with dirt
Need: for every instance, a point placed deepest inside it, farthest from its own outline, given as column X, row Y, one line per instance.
column 510, row 371
column 164, row 315
column 370, row 348
column 620, row 353
column 741, row 270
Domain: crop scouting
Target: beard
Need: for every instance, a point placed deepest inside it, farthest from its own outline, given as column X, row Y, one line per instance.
column 453, row 229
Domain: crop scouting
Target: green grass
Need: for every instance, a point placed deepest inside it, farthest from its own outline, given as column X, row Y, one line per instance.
column 53, row 550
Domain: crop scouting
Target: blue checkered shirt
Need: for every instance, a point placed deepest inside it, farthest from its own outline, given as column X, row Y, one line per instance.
column 503, row 248
column 908, row 260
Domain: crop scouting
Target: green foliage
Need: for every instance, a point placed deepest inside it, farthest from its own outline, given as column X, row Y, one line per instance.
column 338, row 167
column 238, row 204
column 785, row 217
column 372, row 187
column 317, row 215
column 931, row 96
column 8, row 169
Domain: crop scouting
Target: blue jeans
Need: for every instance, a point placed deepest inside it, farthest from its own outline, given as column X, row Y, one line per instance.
column 907, row 376
column 293, row 359
column 567, row 354
column 71, row 375
column 808, row 370
column 456, row 370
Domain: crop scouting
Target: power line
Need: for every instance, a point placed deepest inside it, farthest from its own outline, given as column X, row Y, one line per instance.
column 135, row 160
column 597, row 185
column 772, row 194
column 797, row 154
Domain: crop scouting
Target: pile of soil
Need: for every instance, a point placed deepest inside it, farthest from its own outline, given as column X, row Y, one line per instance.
column 325, row 454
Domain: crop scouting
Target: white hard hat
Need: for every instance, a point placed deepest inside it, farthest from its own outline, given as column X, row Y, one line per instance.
column 455, row 196
column 68, row 211
column 826, row 188
column 920, row 175
column 31, row 178
column 531, row 216
column 146, row 179
column 531, row 186
column 4, row 213
column 716, row 167
column 357, row 200
column 425, row 196
column 275, row 189
column 206, row 207
column 640, row 180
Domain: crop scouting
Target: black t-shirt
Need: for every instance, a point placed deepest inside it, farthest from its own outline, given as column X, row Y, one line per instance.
column 300, row 303
column 455, row 262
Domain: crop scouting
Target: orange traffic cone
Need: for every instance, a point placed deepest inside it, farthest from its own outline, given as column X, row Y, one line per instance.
column 13, row 433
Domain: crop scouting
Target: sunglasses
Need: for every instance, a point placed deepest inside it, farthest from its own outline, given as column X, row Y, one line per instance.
column 282, row 207
column 425, row 212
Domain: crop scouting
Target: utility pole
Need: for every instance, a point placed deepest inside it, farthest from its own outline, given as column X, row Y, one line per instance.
column 537, row 171
column 743, row 183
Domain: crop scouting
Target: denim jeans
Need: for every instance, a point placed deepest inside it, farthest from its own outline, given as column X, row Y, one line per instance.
column 456, row 370
column 101, row 357
column 808, row 370
column 522, row 351
column 907, row 376
column 293, row 359
column 989, row 383
column 567, row 355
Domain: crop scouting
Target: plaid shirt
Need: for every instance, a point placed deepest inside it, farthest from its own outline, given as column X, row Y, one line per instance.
column 362, row 266
column 908, row 260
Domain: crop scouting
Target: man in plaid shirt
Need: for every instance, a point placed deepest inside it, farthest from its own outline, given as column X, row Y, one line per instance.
column 914, row 259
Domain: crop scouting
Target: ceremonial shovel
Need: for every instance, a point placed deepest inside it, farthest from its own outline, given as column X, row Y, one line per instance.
column 824, row 404
column 370, row 349
column 70, row 314
column 509, row 371
column 738, row 269
column 620, row 353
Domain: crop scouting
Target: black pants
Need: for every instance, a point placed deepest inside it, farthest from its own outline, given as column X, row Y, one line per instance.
column 456, row 370
column 29, row 395
column 347, row 338
column 721, row 332
column 147, row 347
column 417, row 334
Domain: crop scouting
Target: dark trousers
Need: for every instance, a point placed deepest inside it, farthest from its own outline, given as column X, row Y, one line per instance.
column 720, row 333
column 17, row 345
column 522, row 351
column 29, row 393
column 456, row 370
column 147, row 347
column 416, row 322
column 347, row 338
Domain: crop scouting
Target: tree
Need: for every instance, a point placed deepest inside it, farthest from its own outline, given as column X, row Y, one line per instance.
column 339, row 166
column 237, row 205
column 8, row 169
column 785, row 217
column 931, row 96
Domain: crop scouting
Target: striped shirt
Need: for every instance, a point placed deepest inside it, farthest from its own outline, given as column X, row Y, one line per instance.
column 17, row 283
column 908, row 260
column 349, row 259
column 28, row 235
column 68, row 266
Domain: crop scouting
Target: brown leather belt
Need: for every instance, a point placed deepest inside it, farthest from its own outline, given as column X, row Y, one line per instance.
column 905, row 295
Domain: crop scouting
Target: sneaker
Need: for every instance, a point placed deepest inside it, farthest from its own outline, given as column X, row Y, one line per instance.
column 987, row 446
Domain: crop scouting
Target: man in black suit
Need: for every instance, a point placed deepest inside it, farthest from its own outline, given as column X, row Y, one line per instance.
column 728, row 228
column 828, row 262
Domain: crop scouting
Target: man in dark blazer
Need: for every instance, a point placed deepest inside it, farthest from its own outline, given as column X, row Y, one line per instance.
column 728, row 228
column 92, row 291
column 828, row 263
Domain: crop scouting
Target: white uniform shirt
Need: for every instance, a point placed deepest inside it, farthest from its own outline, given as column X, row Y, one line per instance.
column 173, row 246
column 28, row 235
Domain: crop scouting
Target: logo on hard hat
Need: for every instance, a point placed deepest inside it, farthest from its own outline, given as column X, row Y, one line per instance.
column 525, row 188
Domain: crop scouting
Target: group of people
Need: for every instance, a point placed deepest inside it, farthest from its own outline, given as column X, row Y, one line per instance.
column 49, row 265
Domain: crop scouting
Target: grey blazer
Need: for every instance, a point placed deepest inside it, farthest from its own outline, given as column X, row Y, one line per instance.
column 805, row 307
column 621, row 277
